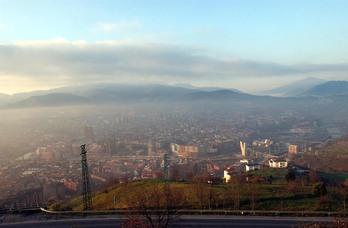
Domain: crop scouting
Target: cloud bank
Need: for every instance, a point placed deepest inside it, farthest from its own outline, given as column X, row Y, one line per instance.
column 61, row 62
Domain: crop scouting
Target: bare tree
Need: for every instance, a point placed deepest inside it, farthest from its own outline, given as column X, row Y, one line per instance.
column 153, row 206
column 343, row 193
column 200, row 191
column 313, row 176
column 236, row 193
column 253, row 194
column 293, row 187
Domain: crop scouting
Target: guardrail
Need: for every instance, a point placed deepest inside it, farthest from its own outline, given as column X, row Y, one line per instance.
column 19, row 210
column 210, row 212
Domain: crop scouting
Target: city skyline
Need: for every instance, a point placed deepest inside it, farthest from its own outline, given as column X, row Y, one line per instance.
column 247, row 45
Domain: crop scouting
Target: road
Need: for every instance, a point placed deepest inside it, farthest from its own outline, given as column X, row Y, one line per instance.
column 183, row 221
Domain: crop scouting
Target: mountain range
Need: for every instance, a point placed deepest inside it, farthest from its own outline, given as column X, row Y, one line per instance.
column 296, row 88
column 121, row 93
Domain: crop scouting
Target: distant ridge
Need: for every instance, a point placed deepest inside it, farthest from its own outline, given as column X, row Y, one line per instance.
column 4, row 98
column 215, row 95
column 49, row 100
column 206, row 89
column 296, row 88
column 331, row 88
column 108, row 94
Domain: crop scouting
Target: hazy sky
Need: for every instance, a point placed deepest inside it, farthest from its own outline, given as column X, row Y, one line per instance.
column 243, row 44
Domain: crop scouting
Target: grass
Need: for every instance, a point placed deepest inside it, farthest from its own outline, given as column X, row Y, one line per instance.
column 334, row 177
column 273, row 196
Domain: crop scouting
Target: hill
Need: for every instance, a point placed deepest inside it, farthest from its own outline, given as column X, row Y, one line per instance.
column 243, row 194
column 295, row 88
column 215, row 95
column 330, row 88
column 164, row 96
column 53, row 99
column 331, row 158
column 4, row 98
column 119, row 94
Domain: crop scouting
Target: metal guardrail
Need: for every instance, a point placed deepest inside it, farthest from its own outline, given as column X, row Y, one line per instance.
column 212, row 212
column 19, row 210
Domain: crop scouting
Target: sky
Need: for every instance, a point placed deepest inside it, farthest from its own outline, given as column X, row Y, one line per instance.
column 250, row 45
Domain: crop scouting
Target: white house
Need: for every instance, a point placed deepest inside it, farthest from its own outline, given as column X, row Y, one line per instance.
column 273, row 163
column 249, row 167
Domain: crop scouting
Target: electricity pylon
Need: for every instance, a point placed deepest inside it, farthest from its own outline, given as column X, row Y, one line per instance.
column 87, row 199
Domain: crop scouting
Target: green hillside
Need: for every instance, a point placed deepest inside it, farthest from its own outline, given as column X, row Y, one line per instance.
column 275, row 194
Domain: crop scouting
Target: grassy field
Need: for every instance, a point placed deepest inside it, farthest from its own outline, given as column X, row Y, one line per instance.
column 334, row 177
column 278, row 195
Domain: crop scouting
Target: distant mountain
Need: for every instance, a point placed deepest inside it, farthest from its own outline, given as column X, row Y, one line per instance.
column 215, row 95
column 48, row 100
column 119, row 92
column 4, row 98
column 331, row 88
column 135, row 94
column 97, row 94
column 295, row 88
column 207, row 89
column 110, row 92
column 4, row 95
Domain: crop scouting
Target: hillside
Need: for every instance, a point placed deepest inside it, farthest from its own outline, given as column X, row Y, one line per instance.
column 295, row 88
column 53, row 99
column 331, row 158
column 276, row 194
column 330, row 88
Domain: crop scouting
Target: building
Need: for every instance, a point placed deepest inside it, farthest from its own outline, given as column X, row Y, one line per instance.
column 185, row 151
column 154, row 148
column 110, row 145
column 249, row 167
column 293, row 149
column 228, row 175
column 273, row 163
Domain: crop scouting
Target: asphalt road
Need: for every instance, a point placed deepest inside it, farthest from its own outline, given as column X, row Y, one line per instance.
column 183, row 221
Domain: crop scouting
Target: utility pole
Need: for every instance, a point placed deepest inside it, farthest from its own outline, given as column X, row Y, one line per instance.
column 166, row 178
column 166, row 173
column 87, row 199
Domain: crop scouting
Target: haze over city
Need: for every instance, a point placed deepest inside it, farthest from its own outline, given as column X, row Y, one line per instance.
column 247, row 45
column 173, row 113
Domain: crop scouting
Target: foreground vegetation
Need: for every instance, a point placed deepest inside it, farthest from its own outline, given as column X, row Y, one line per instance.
column 157, row 203
column 267, row 189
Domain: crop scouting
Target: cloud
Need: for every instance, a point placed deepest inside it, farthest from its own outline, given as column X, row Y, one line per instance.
column 52, row 42
column 61, row 62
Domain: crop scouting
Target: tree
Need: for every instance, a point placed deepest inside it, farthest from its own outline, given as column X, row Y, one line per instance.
column 313, row 176
column 236, row 192
column 200, row 191
column 253, row 191
column 319, row 188
column 153, row 206
column 293, row 187
column 343, row 193
column 290, row 176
